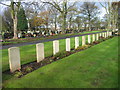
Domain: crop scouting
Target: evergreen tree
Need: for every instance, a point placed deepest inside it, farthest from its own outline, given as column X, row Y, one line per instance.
column 22, row 21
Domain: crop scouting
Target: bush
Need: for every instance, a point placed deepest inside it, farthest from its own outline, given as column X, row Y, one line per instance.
column 83, row 47
column 44, row 62
column 51, row 60
column 18, row 74
column 110, row 36
column 96, row 42
column 100, row 40
column 60, row 54
column 28, row 69
column 101, row 37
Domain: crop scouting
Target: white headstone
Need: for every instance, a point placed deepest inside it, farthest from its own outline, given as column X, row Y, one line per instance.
column 89, row 38
column 100, row 34
column 110, row 33
column 40, row 52
column 83, row 40
column 93, row 37
column 55, row 46
column 67, row 44
column 103, row 34
column 76, row 42
column 107, row 33
column 97, row 36
column 14, row 59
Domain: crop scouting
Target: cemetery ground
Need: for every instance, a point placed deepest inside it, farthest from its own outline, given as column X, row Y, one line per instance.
column 28, row 52
column 31, row 39
column 96, row 66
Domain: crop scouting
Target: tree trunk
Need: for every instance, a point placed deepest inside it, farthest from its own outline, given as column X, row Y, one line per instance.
column 85, row 27
column 89, row 27
column 55, row 23
column 64, row 23
column 15, row 26
column 28, row 24
column 70, row 22
column 78, row 26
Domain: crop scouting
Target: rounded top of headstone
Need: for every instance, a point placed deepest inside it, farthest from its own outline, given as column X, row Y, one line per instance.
column 13, row 48
column 55, row 40
column 40, row 44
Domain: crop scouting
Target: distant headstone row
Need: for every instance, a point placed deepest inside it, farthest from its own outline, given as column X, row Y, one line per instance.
column 14, row 52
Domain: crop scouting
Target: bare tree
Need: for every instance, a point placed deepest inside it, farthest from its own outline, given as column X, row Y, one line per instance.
column 78, row 22
column 71, row 15
column 112, row 13
column 32, row 9
column 90, row 11
column 7, row 19
column 106, row 6
column 63, row 7
column 28, row 11
column 54, row 17
column 14, row 6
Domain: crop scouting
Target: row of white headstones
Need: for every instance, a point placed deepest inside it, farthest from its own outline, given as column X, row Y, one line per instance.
column 14, row 52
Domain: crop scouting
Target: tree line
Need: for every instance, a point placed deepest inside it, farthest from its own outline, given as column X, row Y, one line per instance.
column 65, row 15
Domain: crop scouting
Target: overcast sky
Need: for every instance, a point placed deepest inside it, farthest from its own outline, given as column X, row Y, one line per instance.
column 102, row 10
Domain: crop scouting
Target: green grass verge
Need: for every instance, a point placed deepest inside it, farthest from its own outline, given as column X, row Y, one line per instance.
column 96, row 67
column 21, row 40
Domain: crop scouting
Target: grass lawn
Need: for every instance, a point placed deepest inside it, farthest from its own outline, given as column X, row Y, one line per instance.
column 96, row 67
column 21, row 40
column 28, row 53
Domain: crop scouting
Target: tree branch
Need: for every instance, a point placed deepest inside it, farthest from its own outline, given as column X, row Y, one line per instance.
column 72, row 5
column 105, row 8
column 5, row 4
column 55, row 6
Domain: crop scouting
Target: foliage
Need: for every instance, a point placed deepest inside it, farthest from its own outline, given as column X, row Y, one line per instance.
column 60, row 54
column 83, row 47
column 78, row 21
column 7, row 22
column 90, row 11
column 63, row 9
column 111, row 9
column 28, row 69
column 18, row 74
column 36, row 21
column 22, row 21
column 96, row 42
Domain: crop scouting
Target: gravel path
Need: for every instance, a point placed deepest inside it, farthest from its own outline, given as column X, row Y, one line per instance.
column 41, row 41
